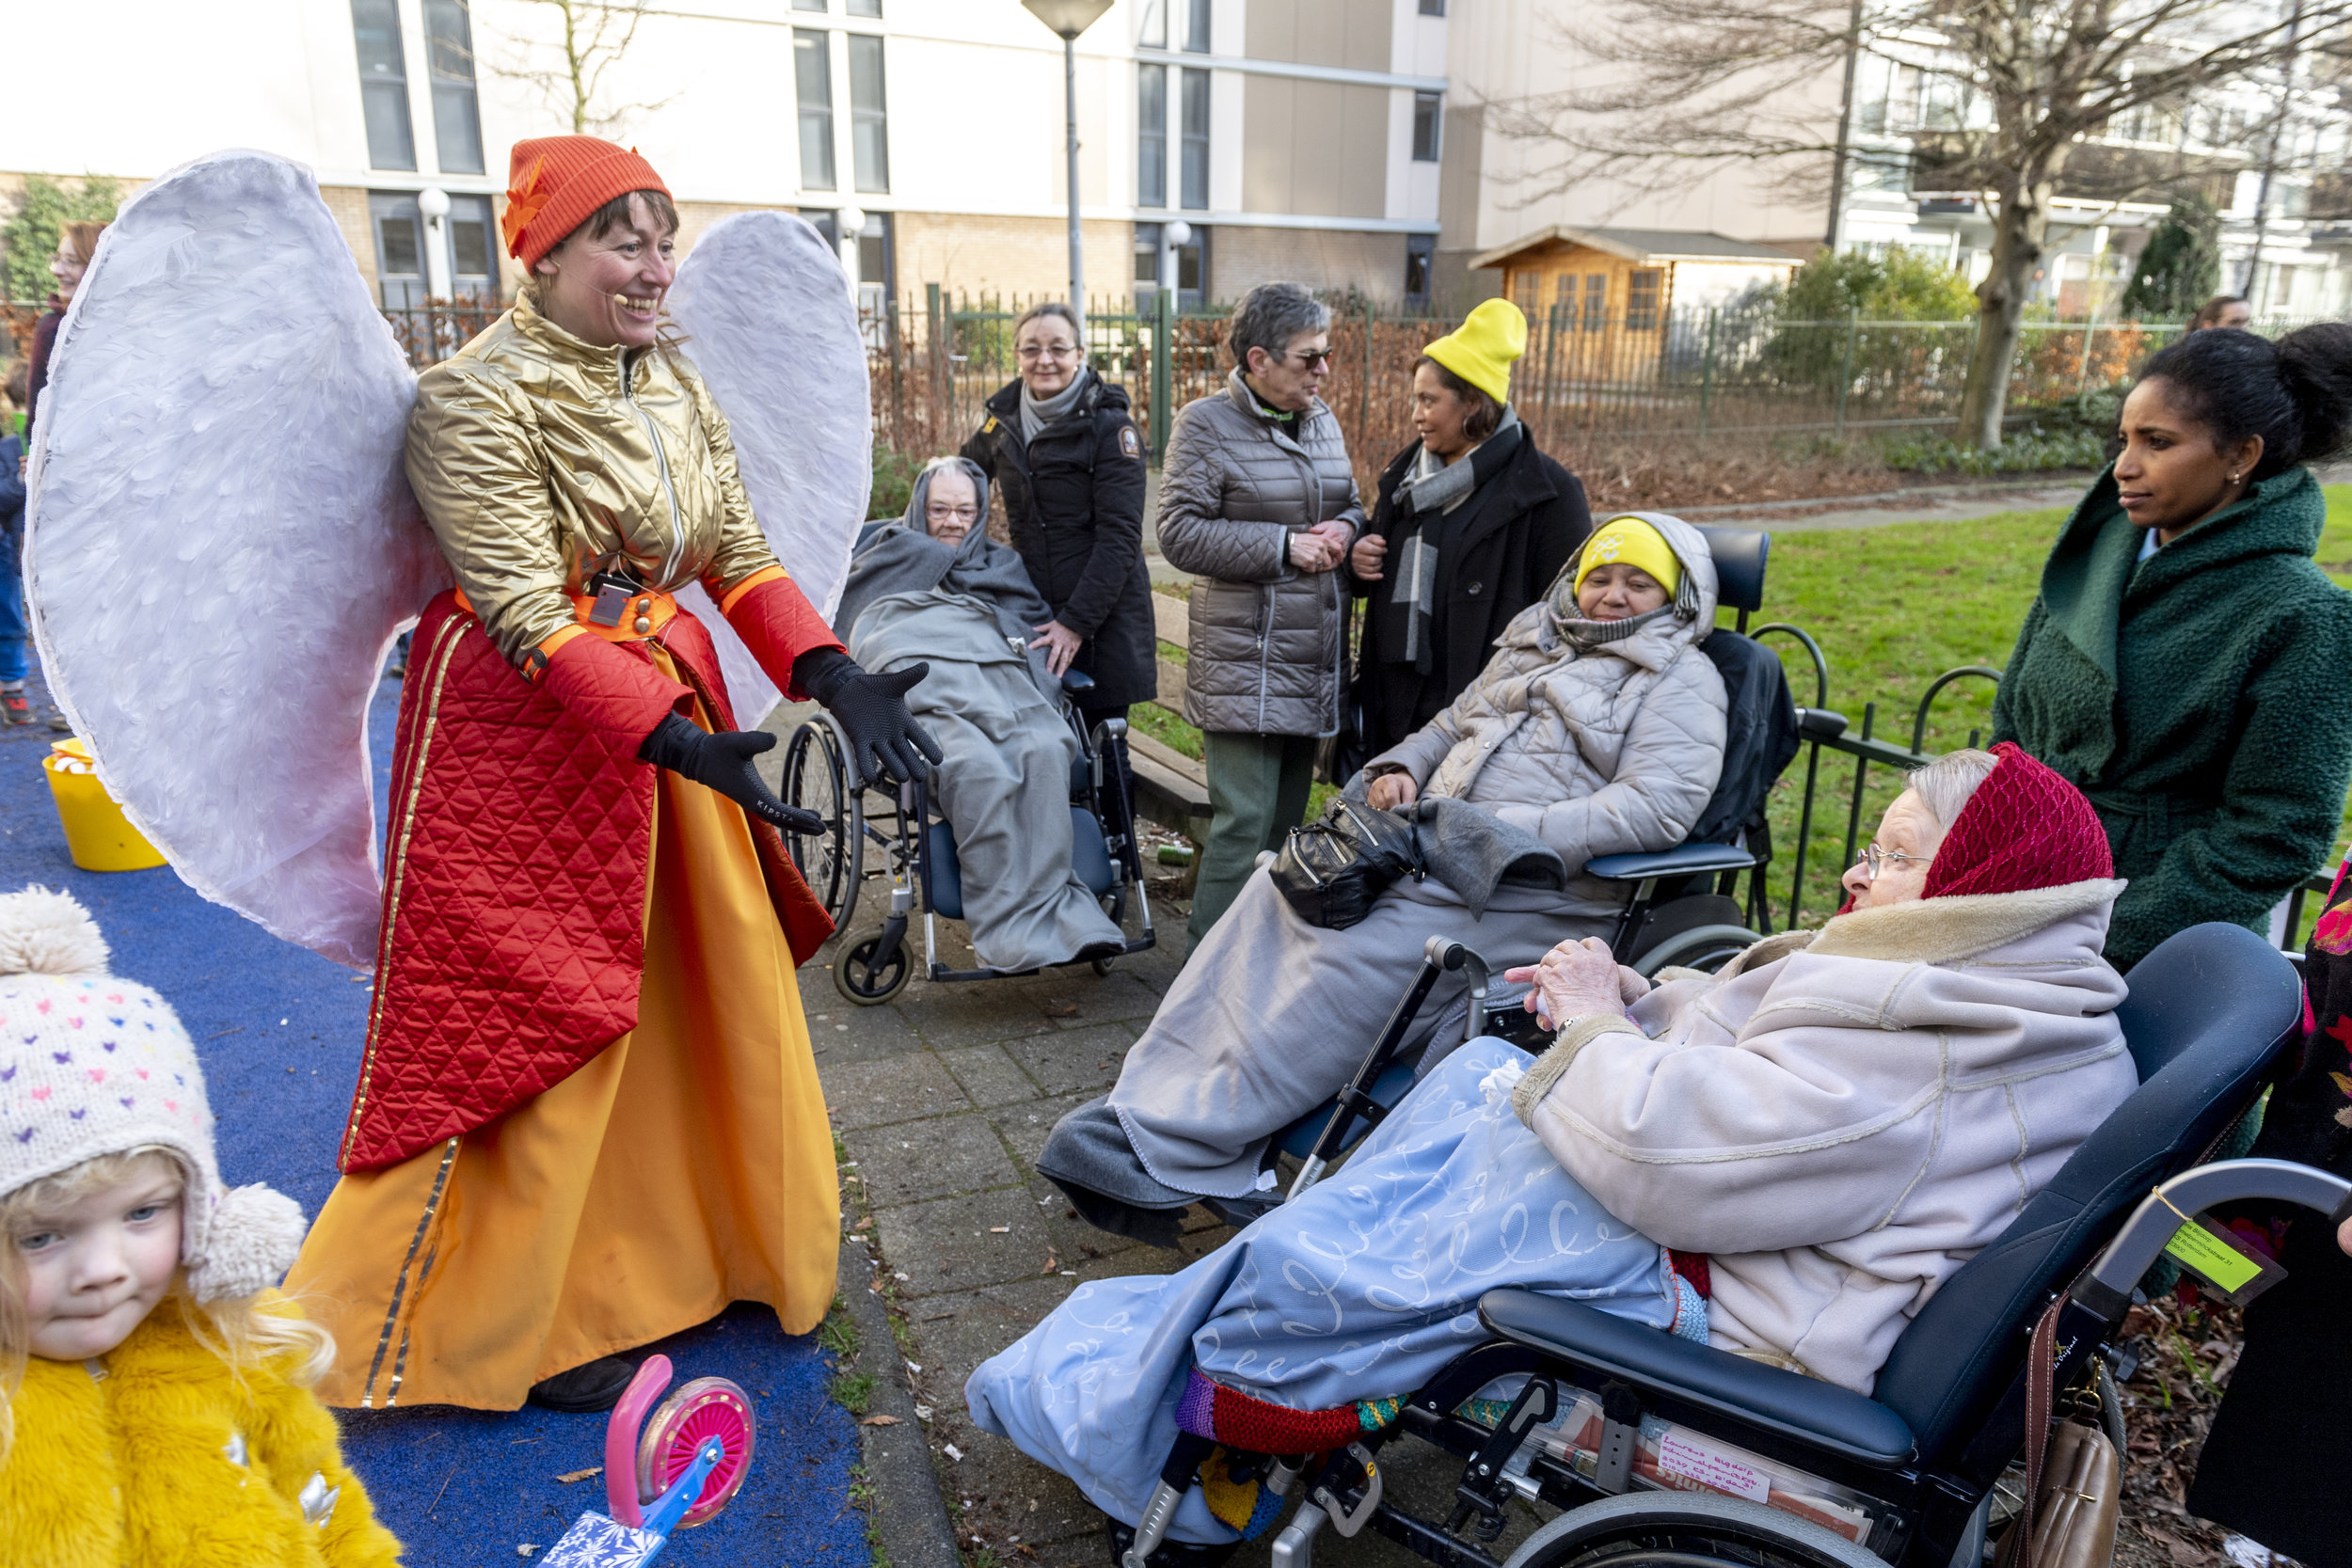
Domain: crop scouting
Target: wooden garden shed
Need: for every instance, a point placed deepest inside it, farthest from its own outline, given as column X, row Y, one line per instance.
column 1627, row 282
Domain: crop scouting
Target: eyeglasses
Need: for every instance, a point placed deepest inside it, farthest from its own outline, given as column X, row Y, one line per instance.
column 1874, row 859
column 1047, row 351
column 1312, row 357
column 955, row 514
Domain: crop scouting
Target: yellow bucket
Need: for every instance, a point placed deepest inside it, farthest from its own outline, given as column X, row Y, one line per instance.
column 97, row 835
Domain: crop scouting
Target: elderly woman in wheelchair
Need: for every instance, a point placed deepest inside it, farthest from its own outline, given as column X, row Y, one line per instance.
column 933, row 586
column 1598, row 728
column 1783, row 1160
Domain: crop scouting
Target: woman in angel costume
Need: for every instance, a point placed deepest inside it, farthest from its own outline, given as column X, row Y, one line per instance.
column 587, row 1115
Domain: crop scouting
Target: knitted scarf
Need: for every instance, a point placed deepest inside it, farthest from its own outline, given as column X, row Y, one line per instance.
column 1035, row 415
column 1433, row 488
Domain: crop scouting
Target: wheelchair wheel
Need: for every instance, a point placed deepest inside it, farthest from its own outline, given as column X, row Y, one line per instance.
column 706, row 1408
column 867, row 977
column 817, row 779
column 1168, row 1554
column 1686, row 1529
column 1707, row 948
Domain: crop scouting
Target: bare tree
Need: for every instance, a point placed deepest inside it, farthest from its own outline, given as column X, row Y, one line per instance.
column 569, row 72
column 1731, row 81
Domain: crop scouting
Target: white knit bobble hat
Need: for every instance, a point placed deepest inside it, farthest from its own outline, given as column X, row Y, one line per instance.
column 92, row 1065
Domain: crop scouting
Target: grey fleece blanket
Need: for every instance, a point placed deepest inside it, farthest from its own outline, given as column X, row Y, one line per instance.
column 1268, row 1018
column 1004, row 787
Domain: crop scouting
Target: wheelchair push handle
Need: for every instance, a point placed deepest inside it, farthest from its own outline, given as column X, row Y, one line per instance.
column 2106, row 1288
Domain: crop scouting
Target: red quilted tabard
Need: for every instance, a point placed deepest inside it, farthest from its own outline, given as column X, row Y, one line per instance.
column 778, row 625
column 515, row 890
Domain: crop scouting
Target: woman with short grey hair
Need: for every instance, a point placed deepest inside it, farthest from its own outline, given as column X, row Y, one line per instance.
column 1258, row 502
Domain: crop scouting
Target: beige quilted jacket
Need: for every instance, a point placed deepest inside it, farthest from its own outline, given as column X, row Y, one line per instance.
column 1598, row 754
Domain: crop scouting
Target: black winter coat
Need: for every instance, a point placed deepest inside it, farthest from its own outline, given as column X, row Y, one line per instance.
column 1511, row 539
column 1074, row 499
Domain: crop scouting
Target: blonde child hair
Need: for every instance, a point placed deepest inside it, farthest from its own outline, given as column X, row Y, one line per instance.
column 243, row 1331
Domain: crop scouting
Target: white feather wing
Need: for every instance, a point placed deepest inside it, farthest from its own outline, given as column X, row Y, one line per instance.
column 221, row 541
column 769, row 324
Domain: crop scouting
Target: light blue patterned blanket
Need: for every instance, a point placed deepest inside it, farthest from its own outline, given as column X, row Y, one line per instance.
column 1363, row 1289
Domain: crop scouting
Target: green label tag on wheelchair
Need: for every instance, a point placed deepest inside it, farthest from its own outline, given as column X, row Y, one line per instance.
column 2215, row 1256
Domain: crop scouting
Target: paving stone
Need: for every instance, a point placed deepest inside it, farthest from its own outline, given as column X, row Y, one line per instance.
column 1116, row 995
column 949, row 1243
column 841, row 1032
column 869, row 1094
column 988, row 1075
column 1069, row 1060
column 950, row 1017
column 1026, row 1123
column 932, row 1158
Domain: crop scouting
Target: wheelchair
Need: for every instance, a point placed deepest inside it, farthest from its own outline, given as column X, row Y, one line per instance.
column 917, row 861
column 1661, row 1451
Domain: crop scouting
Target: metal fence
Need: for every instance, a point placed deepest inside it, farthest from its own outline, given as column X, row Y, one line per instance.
column 1696, row 375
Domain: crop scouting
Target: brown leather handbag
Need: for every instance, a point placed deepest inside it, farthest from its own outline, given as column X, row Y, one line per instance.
column 2074, row 1477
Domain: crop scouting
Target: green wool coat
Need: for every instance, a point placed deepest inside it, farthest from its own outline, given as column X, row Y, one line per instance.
column 2199, row 699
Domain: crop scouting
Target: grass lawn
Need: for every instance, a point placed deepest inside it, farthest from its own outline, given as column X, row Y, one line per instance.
column 1891, row 607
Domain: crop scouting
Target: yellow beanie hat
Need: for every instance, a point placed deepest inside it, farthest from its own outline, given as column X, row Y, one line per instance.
column 1482, row 349
column 1631, row 542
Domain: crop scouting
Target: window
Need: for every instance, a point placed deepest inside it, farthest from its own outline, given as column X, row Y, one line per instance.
column 1564, row 303
column 1527, row 287
column 457, row 118
column 1196, row 26
column 474, row 268
column 808, row 4
column 1641, row 299
column 1432, row 8
column 399, row 230
column 1428, row 111
column 1151, row 135
column 1420, row 253
column 1195, row 90
column 383, row 84
column 812, row 83
column 1152, row 28
column 865, row 8
column 1596, row 301
column 869, row 122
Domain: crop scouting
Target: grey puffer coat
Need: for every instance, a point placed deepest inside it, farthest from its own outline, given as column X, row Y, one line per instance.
column 1266, row 637
column 1606, row 753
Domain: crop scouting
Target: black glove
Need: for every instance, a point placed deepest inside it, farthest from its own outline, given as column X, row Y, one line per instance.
column 884, row 739
column 722, row 762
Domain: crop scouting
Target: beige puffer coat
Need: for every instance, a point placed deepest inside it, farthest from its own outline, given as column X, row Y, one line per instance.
column 1605, row 753
column 1841, row 1119
column 1265, row 655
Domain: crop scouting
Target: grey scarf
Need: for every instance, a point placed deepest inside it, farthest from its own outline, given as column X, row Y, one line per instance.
column 1432, row 488
column 1035, row 416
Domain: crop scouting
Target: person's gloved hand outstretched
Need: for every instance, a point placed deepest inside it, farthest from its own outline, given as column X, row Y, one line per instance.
column 885, row 742
column 722, row 762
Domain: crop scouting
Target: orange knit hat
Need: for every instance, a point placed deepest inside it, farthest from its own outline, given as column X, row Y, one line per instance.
column 554, row 183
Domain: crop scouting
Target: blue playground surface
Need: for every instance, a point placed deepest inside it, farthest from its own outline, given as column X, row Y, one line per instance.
column 279, row 1030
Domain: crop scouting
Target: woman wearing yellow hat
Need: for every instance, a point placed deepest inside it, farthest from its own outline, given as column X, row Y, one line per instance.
column 1470, row 525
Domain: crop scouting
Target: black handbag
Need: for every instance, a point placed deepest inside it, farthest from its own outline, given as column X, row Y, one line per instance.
column 1332, row 871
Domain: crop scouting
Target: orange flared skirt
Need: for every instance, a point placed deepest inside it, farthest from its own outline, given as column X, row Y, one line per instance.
column 688, row 1165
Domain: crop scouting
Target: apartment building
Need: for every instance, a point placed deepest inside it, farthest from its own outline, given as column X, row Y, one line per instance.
column 1290, row 138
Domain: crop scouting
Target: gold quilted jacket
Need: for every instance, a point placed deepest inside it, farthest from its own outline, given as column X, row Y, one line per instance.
column 541, row 460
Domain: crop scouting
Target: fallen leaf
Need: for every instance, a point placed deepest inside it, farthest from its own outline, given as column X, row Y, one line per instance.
column 1060, row 1009
column 580, row 1475
column 866, row 1223
column 1053, row 1264
column 878, row 1421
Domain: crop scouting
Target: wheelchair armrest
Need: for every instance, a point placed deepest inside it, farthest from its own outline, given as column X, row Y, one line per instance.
column 1077, row 680
column 1688, row 860
column 1802, row 1409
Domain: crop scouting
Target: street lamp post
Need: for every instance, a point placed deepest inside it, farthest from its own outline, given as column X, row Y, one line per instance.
column 1068, row 19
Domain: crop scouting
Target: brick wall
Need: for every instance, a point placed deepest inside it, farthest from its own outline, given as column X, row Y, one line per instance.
column 1241, row 258
column 968, row 254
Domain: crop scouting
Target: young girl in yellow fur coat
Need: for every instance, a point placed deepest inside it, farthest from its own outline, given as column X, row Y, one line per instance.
column 154, row 1394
